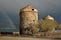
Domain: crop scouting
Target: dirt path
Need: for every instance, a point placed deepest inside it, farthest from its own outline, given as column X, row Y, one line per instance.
column 22, row 38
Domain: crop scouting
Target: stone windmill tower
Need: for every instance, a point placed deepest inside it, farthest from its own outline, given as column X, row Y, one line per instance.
column 28, row 16
column 48, row 17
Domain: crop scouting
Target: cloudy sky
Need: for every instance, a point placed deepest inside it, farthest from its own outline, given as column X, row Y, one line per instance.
column 9, row 9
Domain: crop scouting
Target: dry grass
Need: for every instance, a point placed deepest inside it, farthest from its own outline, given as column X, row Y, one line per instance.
column 39, row 36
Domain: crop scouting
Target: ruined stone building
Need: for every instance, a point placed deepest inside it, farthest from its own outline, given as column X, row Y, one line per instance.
column 48, row 17
column 28, row 17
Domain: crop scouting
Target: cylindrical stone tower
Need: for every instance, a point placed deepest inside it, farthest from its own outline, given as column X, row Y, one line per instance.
column 28, row 17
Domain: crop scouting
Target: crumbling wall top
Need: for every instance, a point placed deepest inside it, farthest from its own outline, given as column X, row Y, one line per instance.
column 29, row 8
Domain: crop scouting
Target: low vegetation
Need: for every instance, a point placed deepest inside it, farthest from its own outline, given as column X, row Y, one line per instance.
column 47, row 25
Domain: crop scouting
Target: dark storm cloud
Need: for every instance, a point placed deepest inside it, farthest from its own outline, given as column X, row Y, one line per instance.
column 9, row 11
column 45, row 7
column 42, row 5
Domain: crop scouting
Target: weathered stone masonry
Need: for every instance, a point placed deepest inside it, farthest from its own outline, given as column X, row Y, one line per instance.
column 28, row 16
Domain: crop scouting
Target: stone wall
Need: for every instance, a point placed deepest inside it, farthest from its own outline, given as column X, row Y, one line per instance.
column 28, row 18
